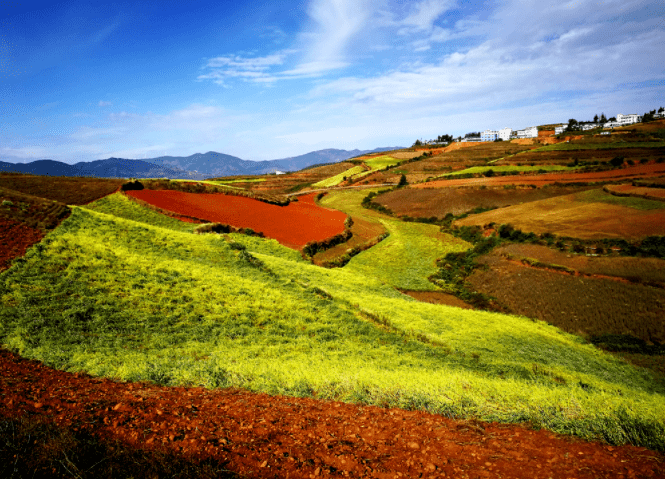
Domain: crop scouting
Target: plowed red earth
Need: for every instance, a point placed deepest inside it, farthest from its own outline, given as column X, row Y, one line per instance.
column 15, row 239
column 257, row 435
column 631, row 172
column 294, row 225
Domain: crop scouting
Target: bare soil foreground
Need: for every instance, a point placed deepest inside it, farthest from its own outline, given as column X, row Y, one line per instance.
column 632, row 172
column 256, row 435
column 15, row 239
column 294, row 225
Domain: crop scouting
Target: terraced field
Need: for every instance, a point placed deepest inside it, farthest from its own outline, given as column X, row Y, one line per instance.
column 128, row 299
column 407, row 257
column 593, row 214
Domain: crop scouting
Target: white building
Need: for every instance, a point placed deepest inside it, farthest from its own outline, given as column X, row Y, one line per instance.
column 628, row 119
column 505, row 133
column 590, row 126
column 489, row 135
column 531, row 132
column 471, row 139
column 560, row 129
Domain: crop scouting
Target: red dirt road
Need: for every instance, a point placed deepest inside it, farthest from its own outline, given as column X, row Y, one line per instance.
column 257, row 435
column 294, row 225
column 629, row 173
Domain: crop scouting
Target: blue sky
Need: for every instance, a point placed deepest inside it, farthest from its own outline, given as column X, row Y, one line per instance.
column 264, row 80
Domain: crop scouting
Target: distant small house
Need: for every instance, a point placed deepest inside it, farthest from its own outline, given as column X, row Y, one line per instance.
column 531, row 132
column 605, row 132
column 560, row 129
column 628, row 119
column 280, row 172
column 505, row 134
column 472, row 139
column 589, row 126
column 489, row 135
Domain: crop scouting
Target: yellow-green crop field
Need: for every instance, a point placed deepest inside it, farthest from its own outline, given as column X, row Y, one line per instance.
column 117, row 292
column 337, row 179
column 380, row 162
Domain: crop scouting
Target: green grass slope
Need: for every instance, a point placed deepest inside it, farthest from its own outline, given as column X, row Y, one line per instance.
column 407, row 257
column 123, row 298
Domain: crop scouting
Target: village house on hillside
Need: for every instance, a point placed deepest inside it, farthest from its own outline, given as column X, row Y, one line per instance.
column 531, row 132
column 623, row 120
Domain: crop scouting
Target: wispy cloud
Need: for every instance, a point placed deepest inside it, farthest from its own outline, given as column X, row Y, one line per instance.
column 103, row 103
column 424, row 14
column 256, row 69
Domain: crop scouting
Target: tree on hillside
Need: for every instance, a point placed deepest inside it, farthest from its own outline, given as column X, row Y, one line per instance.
column 402, row 181
column 572, row 125
column 444, row 138
column 418, row 143
column 595, row 119
column 602, row 118
column 473, row 134
column 661, row 110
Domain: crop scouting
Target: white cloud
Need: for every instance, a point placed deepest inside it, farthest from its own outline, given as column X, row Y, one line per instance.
column 425, row 13
column 554, row 57
column 254, row 69
column 335, row 24
column 104, row 103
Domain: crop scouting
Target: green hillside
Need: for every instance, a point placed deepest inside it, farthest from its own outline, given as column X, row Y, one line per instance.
column 119, row 292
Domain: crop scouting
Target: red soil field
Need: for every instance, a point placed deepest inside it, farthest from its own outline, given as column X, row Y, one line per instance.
column 257, row 435
column 294, row 225
column 15, row 239
column 631, row 172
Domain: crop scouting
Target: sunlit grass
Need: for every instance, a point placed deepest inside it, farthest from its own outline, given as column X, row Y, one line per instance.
column 380, row 162
column 407, row 257
column 337, row 179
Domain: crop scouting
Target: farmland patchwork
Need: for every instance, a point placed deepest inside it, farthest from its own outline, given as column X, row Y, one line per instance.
column 119, row 291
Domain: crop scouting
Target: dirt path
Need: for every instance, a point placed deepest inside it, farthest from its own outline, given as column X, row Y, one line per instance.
column 258, row 435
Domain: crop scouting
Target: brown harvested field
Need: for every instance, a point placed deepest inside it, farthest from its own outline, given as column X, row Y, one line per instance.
column 406, row 155
column 32, row 211
column 558, row 157
column 15, row 239
column 636, row 191
column 24, row 220
column 587, row 306
column 636, row 172
column 588, row 215
column 441, row 201
column 68, row 190
column 651, row 270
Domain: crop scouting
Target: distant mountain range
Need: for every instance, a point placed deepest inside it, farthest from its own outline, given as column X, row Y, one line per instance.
column 196, row 167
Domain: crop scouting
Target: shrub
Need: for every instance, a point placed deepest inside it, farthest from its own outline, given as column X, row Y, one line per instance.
column 133, row 185
column 617, row 161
